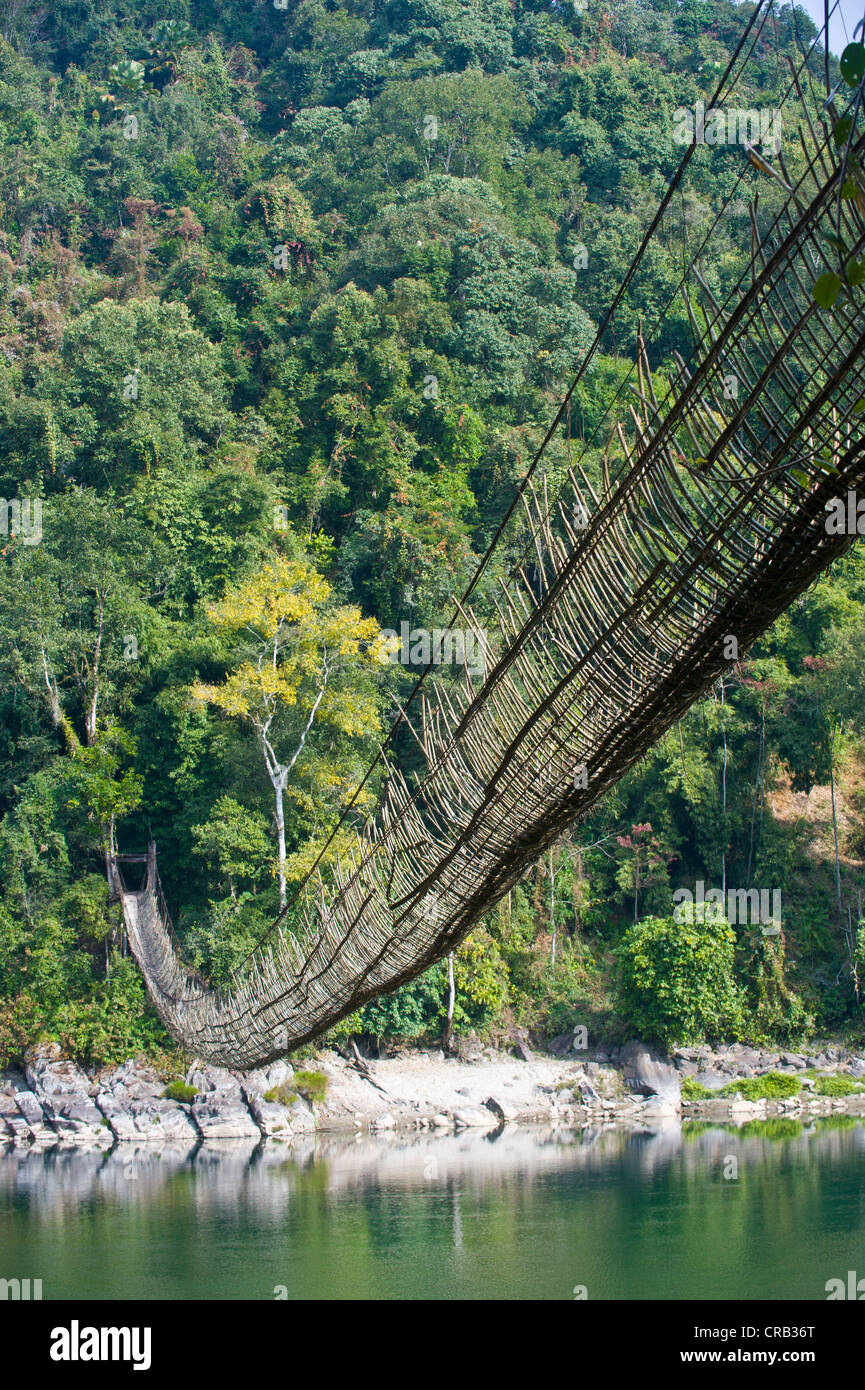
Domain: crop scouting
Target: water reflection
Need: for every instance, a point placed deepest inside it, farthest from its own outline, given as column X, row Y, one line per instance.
column 231, row 1175
column 771, row 1209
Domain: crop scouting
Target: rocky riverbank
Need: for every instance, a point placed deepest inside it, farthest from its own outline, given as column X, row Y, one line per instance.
column 52, row 1102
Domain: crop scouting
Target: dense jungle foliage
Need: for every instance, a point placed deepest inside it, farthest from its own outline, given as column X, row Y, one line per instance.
column 290, row 293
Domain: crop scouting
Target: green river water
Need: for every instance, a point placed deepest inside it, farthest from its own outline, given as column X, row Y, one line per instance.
column 522, row 1215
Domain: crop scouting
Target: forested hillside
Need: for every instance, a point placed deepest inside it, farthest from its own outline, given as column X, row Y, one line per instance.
column 289, row 294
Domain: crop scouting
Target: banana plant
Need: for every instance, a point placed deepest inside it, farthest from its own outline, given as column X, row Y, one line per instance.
column 168, row 39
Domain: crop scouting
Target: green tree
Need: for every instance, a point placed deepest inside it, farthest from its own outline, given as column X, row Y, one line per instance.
column 302, row 660
column 676, row 978
column 232, row 841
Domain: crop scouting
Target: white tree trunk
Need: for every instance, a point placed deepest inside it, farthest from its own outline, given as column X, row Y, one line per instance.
column 279, row 773
column 553, row 908
column 280, row 835
column 452, row 994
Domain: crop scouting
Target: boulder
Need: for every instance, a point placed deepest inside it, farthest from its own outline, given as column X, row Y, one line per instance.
column 275, row 1118
column 49, row 1077
column 223, row 1114
column 469, row 1048
column 502, row 1111
column 467, row 1117
column 17, row 1129
column 220, row 1109
column 518, row 1040
column 794, row 1059
column 150, row 1120
column 747, row 1057
column 63, row 1091
column 646, row 1073
column 10, row 1082
column 30, row 1125
column 130, row 1098
column 265, row 1079
column 657, row 1107
column 590, row 1096
column 272, row 1118
column 302, row 1119
column 747, row 1109
column 207, row 1079
column 820, row 1062
column 133, row 1081
column 712, row 1080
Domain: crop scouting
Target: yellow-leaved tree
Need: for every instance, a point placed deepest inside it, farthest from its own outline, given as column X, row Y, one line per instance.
column 303, row 661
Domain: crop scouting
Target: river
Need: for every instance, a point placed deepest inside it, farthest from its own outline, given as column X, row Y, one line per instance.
column 702, row 1212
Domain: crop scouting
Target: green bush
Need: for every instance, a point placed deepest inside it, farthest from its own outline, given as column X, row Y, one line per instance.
column 775, row 1011
column 676, row 979
column 836, row 1086
column 281, row 1095
column 178, row 1090
column 312, row 1085
column 775, row 1085
column 408, row 1012
column 694, row 1090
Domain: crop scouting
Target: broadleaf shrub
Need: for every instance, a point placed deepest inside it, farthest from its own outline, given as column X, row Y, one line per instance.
column 676, row 979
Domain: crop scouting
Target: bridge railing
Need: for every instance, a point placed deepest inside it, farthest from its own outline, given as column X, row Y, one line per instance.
column 153, row 884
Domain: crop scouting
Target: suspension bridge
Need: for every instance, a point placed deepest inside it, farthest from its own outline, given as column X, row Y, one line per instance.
column 633, row 598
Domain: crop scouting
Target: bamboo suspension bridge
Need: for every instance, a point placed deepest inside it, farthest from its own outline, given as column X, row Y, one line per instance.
column 710, row 520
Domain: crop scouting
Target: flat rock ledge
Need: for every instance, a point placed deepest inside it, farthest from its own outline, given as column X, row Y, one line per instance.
column 52, row 1102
